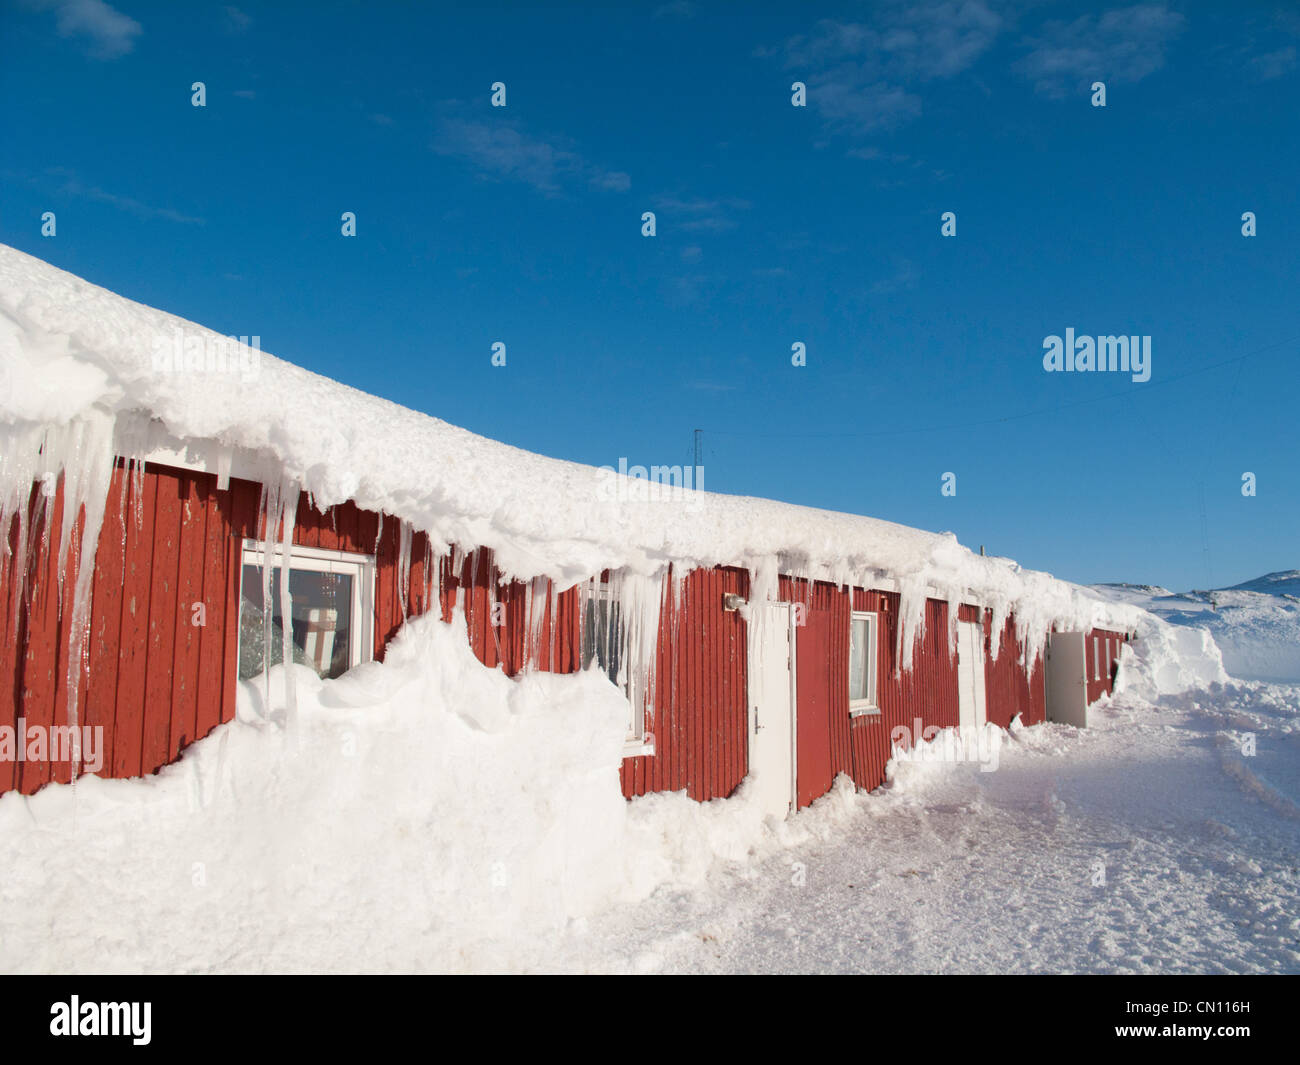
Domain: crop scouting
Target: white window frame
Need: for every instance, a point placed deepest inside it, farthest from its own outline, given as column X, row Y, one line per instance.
column 1096, row 658
column 637, row 742
column 361, row 568
column 871, row 704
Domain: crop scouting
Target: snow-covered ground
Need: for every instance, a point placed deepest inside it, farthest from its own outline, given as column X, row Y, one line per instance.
column 1164, row 838
column 406, row 821
column 1146, row 844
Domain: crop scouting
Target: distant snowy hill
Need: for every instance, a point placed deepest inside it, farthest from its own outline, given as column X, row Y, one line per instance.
column 1285, row 582
column 1256, row 623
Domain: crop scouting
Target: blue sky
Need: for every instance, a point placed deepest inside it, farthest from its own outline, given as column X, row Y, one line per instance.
column 775, row 225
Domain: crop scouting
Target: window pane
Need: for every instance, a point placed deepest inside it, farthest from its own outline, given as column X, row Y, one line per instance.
column 321, row 621
column 859, row 631
column 600, row 636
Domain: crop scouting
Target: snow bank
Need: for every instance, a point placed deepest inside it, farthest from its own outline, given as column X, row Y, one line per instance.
column 1255, row 624
column 76, row 355
column 421, row 813
column 1167, row 659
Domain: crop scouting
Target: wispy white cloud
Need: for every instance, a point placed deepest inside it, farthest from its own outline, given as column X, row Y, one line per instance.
column 1274, row 64
column 903, row 276
column 105, row 31
column 237, row 21
column 699, row 215
column 1121, row 45
column 1270, row 50
column 72, row 185
column 501, row 150
column 862, row 77
column 676, row 9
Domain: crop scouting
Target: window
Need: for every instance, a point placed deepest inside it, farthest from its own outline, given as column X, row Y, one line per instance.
column 602, row 633
column 863, row 644
column 331, row 609
column 1096, row 659
column 604, row 643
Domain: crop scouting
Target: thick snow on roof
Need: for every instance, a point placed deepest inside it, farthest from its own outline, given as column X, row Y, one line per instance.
column 74, row 354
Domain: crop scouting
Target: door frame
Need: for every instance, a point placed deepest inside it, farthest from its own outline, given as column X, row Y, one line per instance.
column 777, row 608
column 979, row 684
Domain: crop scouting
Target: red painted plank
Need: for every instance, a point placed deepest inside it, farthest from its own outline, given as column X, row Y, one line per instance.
column 133, row 657
column 214, row 670
column 10, row 596
column 186, row 654
column 163, row 588
column 106, row 616
column 813, row 772
column 41, row 648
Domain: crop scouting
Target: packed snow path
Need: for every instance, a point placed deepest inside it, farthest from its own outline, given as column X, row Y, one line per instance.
column 1146, row 844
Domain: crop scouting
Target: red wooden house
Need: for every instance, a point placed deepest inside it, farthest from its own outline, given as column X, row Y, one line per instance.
column 800, row 678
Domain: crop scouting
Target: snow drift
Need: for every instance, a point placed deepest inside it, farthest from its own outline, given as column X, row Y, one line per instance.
column 424, row 813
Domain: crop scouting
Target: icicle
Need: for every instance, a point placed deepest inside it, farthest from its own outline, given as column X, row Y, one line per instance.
column 494, row 600
column 404, row 566
column 455, row 568
column 19, row 461
column 131, row 441
column 912, row 595
column 85, row 493
column 552, row 606
column 80, row 454
column 430, row 574
column 954, row 616
column 279, row 507
column 1000, row 611
column 633, row 642
column 264, row 506
column 537, row 595
column 288, row 519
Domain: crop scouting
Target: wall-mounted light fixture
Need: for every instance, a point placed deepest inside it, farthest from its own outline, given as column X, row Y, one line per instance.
column 731, row 601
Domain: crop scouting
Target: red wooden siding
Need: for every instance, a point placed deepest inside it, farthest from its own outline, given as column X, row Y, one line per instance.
column 1101, row 652
column 1009, row 690
column 171, row 540
column 927, row 692
column 154, row 678
column 700, row 722
column 699, row 718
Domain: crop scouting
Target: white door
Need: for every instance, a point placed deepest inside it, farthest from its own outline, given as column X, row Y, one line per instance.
column 970, row 675
column 771, row 706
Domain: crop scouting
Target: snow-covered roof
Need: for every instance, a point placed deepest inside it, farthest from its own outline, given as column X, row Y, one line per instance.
column 74, row 356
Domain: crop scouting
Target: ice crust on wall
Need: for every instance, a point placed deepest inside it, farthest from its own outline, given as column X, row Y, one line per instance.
column 78, row 382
